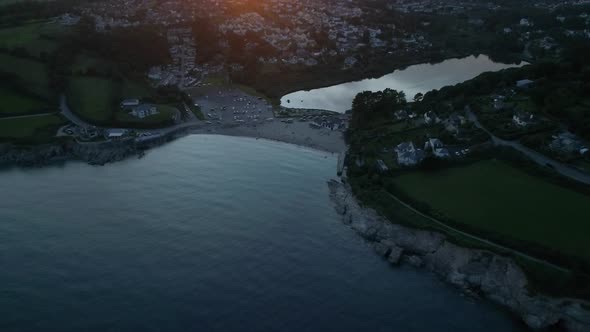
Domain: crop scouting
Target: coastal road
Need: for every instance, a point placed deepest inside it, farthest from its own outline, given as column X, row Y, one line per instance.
column 68, row 114
column 535, row 156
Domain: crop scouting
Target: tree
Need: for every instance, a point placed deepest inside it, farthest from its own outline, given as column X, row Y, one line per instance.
column 418, row 97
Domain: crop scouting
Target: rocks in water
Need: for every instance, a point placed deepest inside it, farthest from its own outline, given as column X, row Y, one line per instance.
column 482, row 272
column 395, row 255
column 389, row 250
column 413, row 260
column 94, row 153
column 381, row 249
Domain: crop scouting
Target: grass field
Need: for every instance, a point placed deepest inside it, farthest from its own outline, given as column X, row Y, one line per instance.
column 85, row 62
column 30, row 37
column 33, row 74
column 14, row 103
column 495, row 197
column 38, row 127
column 92, row 98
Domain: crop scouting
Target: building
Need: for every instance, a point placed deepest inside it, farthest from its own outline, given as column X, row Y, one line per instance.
column 408, row 154
column 115, row 133
column 568, row 143
column 525, row 22
column 453, row 123
column 433, row 144
column 381, row 167
column 523, row 119
column 523, row 83
column 431, row 118
column 130, row 103
column 143, row 110
column 400, row 115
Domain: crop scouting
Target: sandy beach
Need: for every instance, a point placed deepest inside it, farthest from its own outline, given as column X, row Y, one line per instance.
column 230, row 111
column 299, row 133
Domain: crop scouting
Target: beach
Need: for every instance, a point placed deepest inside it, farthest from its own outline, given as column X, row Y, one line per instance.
column 230, row 111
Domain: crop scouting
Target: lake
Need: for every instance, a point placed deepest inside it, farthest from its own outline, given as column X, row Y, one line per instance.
column 412, row 80
column 207, row 233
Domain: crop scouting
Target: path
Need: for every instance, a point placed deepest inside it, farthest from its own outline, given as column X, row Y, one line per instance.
column 477, row 238
column 68, row 114
column 27, row 116
column 535, row 156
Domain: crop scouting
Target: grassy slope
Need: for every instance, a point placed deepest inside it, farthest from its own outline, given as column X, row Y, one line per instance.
column 92, row 98
column 32, row 73
column 29, row 36
column 44, row 126
column 496, row 197
column 14, row 103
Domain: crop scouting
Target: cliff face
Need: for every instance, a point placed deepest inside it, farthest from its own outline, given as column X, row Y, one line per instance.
column 494, row 277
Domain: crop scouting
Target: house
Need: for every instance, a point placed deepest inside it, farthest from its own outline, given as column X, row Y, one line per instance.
column 524, row 22
column 115, row 132
column 143, row 110
column 441, row 153
column 155, row 73
column 567, row 142
column 523, row 119
column 400, row 115
column 523, row 83
column 408, row 154
column 381, row 167
column 129, row 103
column 454, row 122
column 498, row 103
column 431, row 118
column 432, row 144
column 350, row 61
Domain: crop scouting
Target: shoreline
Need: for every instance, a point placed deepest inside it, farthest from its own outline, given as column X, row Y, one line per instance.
column 476, row 272
column 103, row 153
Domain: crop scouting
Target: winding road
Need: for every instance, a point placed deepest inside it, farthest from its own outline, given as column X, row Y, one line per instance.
column 561, row 168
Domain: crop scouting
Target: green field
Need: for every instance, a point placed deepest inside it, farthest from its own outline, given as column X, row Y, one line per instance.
column 32, row 74
column 92, row 98
column 495, row 197
column 32, row 37
column 14, row 103
column 39, row 127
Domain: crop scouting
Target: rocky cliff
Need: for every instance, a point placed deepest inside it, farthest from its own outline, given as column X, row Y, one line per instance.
column 92, row 153
column 475, row 271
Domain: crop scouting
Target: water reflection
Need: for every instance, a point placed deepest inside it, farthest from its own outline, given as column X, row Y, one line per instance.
column 414, row 79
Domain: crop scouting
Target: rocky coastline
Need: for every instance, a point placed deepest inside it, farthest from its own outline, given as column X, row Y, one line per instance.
column 477, row 272
column 93, row 153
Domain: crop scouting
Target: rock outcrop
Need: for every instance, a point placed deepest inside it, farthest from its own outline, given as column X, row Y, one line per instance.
column 475, row 271
column 94, row 153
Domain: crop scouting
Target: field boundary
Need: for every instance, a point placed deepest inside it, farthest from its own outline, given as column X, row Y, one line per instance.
column 478, row 238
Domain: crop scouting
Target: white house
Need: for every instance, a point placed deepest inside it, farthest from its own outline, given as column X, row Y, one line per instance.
column 523, row 119
column 130, row 103
column 408, row 154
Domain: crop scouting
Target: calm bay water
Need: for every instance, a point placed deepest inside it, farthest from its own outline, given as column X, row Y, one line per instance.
column 208, row 233
column 418, row 78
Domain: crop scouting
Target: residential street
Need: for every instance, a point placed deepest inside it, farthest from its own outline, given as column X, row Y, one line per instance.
column 535, row 156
